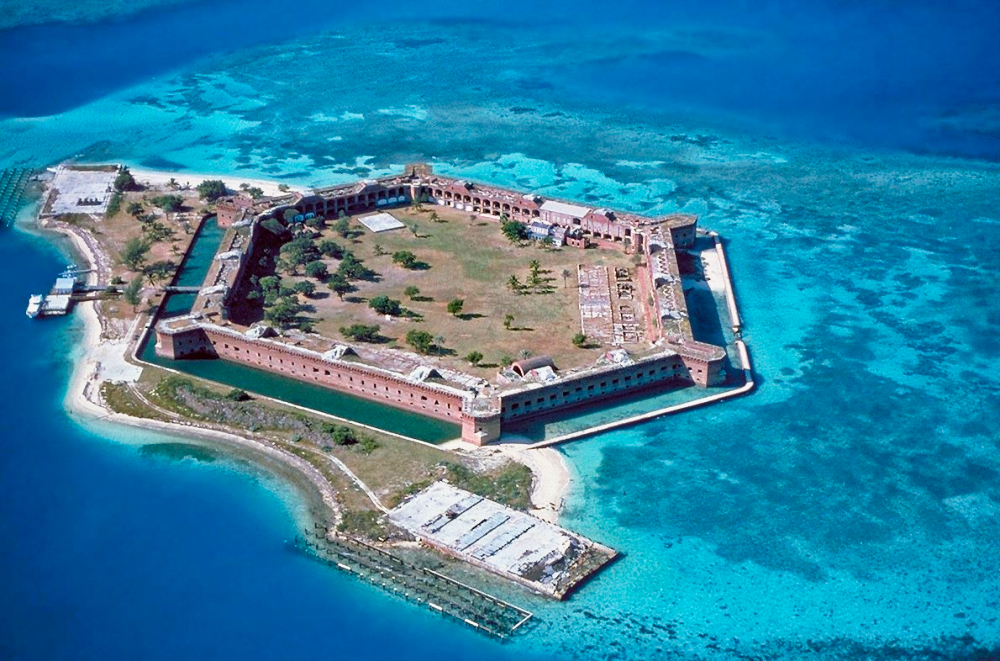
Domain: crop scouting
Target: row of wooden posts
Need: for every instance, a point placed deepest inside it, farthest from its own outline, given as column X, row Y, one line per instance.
column 481, row 611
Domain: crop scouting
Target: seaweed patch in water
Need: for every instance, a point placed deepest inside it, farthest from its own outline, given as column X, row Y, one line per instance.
column 178, row 452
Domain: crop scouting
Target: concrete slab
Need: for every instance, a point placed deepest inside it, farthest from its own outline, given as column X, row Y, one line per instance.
column 508, row 542
column 381, row 222
column 82, row 191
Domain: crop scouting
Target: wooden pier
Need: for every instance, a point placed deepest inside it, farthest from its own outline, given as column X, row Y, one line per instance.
column 13, row 183
column 482, row 612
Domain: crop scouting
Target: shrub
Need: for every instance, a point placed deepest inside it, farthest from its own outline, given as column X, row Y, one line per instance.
column 579, row 340
column 386, row 305
column 125, row 181
column 237, row 395
column 114, row 205
column 168, row 202
column 212, row 189
column 420, row 340
column 361, row 332
column 317, row 269
column 368, row 445
column 404, row 258
column 305, row 287
column 455, row 306
column 411, row 291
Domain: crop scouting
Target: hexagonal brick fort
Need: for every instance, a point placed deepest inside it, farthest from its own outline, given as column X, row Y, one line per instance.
column 414, row 383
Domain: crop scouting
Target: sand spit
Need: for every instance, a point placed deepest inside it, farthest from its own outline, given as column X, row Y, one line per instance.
column 192, row 179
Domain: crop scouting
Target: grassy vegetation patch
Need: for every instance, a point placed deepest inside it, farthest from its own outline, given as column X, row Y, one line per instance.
column 119, row 398
column 367, row 523
column 510, row 485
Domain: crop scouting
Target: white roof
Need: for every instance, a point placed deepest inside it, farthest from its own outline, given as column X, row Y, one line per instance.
column 56, row 303
column 567, row 209
column 65, row 284
column 381, row 222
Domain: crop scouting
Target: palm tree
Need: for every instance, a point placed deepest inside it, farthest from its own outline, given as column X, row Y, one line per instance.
column 565, row 275
column 514, row 284
column 508, row 319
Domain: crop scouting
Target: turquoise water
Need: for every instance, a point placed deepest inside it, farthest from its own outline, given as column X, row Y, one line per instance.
column 848, row 509
column 192, row 273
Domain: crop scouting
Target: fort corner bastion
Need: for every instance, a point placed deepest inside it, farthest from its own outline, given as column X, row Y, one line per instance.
column 653, row 346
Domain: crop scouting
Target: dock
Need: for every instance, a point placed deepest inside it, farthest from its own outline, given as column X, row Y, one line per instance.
column 13, row 183
column 476, row 609
column 60, row 299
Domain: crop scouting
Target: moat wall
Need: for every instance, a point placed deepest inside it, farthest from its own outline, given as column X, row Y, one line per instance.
column 684, row 361
column 611, row 381
column 217, row 342
column 569, row 392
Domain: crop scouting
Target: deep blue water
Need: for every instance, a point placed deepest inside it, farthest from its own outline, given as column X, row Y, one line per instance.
column 107, row 553
column 848, row 509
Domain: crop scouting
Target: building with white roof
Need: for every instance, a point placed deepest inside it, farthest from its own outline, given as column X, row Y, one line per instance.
column 562, row 213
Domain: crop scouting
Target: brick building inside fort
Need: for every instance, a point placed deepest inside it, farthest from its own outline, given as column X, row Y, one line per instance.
column 480, row 407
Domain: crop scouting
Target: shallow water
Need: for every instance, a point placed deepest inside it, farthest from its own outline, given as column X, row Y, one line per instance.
column 847, row 509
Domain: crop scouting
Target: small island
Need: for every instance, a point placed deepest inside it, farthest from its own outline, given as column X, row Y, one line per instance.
column 382, row 342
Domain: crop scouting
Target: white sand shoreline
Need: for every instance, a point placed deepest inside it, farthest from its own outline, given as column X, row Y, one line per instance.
column 192, row 179
column 104, row 358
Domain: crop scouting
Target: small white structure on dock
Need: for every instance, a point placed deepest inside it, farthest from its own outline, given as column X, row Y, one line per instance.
column 64, row 285
column 47, row 306
column 57, row 302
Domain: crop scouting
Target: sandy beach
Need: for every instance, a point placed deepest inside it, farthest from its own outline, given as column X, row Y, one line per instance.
column 551, row 474
column 104, row 357
column 552, row 478
column 192, row 179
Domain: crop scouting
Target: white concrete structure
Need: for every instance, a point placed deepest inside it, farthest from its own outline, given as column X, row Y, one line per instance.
column 381, row 222
column 503, row 540
column 82, row 191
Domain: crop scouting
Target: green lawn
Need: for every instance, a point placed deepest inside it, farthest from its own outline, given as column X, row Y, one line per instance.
column 471, row 260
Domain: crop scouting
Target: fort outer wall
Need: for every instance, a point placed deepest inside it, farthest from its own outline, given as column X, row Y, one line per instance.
column 419, row 183
column 440, row 403
column 207, row 339
column 612, row 381
column 684, row 359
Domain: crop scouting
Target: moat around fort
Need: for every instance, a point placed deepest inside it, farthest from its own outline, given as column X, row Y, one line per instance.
column 461, row 341
column 379, row 338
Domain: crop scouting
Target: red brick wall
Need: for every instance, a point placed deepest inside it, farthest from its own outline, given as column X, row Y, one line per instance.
column 582, row 390
column 346, row 378
column 704, row 373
